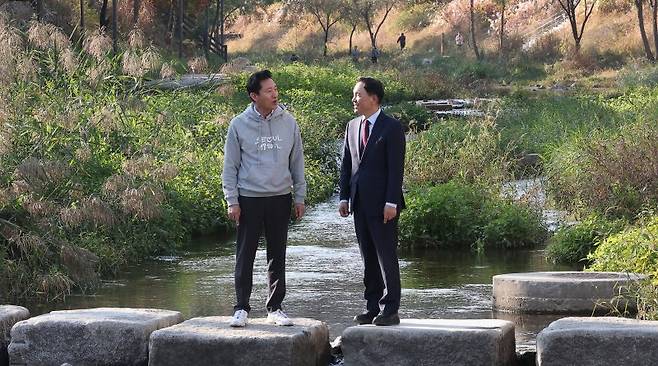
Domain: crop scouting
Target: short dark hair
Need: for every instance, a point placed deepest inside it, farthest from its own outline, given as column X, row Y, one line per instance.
column 253, row 84
column 373, row 87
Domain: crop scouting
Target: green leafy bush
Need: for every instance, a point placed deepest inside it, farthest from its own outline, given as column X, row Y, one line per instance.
column 572, row 244
column 455, row 215
column 634, row 250
column 412, row 116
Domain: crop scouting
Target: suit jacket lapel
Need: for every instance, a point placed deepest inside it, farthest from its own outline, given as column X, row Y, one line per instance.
column 354, row 138
column 375, row 134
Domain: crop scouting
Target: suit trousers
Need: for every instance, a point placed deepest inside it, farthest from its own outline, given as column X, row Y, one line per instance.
column 378, row 245
column 273, row 215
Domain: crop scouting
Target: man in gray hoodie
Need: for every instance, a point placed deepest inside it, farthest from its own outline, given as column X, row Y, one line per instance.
column 263, row 174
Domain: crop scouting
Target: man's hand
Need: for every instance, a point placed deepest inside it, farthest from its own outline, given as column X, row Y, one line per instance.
column 389, row 213
column 344, row 209
column 299, row 210
column 234, row 214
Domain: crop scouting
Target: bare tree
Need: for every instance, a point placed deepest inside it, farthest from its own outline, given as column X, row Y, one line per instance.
column 473, row 38
column 326, row 12
column 654, row 17
column 502, row 5
column 351, row 18
column 82, row 16
column 368, row 9
column 639, row 6
column 571, row 8
column 102, row 15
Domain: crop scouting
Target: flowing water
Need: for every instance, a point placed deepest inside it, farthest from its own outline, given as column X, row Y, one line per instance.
column 324, row 279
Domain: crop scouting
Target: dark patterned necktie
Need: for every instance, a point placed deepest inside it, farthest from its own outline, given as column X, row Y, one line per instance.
column 365, row 132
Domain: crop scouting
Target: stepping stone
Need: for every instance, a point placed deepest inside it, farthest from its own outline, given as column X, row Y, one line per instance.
column 568, row 292
column 9, row 315
column 598, row 342
column 102, row 336
column 414, row 342
column 211, row 341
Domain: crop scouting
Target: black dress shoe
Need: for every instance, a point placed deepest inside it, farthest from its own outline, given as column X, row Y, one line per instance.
column 392, row 319
column 365, row 318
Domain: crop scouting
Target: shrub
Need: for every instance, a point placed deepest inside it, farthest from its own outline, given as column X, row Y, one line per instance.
column 572, row 244
column 632, row 250
column 465, row 216
column 412, row 116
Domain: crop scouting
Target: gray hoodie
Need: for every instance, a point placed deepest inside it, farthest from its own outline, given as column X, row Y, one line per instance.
column 263, row 156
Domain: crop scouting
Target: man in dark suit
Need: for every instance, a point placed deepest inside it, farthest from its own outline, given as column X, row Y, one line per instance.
column 371, row 189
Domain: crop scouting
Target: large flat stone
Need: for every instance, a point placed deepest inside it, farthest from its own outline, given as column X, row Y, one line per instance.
column 568, row 292
column 9, row 315
column 102, row 336
column 418, row 342
column 598, row 342
column 211, row 341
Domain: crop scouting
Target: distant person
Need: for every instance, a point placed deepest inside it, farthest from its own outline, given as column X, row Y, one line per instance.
column 374, row 55
column 402, row 40
column 356, row 54
column 459, row 39
column 294, row 58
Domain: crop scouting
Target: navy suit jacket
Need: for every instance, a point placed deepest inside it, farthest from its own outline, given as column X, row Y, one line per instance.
column 377, row 175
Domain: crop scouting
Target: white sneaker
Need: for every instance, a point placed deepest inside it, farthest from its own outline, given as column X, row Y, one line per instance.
column 239, row 319
column 279, row 318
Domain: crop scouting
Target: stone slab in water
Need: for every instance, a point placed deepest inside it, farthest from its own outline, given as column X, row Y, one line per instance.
column 568, row 292
column 9, row 315
column 417, row 342
column 211, row 341
column 189, row 81
column 598, row 342
column 101, row 336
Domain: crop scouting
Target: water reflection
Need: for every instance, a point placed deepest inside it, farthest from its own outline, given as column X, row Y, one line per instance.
column 324, row 272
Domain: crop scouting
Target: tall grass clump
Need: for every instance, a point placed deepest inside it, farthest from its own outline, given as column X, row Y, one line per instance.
column 540, row 124
column 611, row 171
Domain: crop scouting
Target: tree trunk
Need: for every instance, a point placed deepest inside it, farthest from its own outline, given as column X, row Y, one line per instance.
column 655, row 24
column 39, row 10
column 180, row 28
column 645, row 40
column 102, row 15
column 349, row 52
column 502, row 32
column 574, row 31
column 82, row 16
column 475, row 45
column 326, row 39
column 136, row 4
column 114, row 26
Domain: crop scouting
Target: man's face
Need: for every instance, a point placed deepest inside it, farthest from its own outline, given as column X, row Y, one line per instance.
column 364, row 104
column 268, row 97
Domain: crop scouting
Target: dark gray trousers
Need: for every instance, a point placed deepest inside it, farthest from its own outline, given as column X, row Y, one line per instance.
column 378, row 243
column 273, row 215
